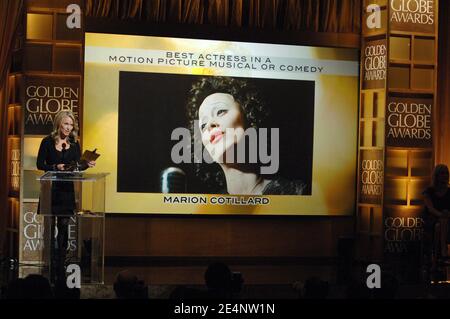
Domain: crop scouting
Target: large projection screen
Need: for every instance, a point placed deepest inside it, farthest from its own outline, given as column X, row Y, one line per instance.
column 170, row 116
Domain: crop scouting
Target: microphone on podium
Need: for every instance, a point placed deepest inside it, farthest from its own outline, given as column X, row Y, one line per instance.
column 173, row 180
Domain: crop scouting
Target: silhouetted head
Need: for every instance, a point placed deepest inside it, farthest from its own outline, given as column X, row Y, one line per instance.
column 315, row 288
column 389, row 287
column 64, row 292
column 37, row 287
column 440, row 177
column 127, row 286
column 15, row 289
column 183, row 292
column 358, row 290
column 218, row 277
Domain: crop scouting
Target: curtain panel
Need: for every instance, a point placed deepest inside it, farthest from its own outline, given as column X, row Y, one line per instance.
column 10, row 15
column 442, row 128
column 302, row 15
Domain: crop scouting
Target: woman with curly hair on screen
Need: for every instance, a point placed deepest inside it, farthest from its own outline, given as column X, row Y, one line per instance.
column 222, row 108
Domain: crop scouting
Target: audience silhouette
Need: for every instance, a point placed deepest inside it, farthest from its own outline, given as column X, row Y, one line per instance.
column 220, row 283
column 127, row 286
column 32, row 287
column 218, row 280
column 315, row 288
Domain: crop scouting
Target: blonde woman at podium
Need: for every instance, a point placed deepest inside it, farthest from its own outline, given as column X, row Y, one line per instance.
column 59, row 151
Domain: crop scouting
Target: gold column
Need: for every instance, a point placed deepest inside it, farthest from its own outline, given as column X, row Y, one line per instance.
column 398, row 93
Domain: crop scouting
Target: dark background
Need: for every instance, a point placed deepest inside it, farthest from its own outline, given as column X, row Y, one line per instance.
column 151, row 105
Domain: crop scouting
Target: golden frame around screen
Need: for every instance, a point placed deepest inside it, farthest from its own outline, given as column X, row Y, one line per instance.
column 136, row 92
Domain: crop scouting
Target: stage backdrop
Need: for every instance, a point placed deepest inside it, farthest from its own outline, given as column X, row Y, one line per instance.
column 137, row 90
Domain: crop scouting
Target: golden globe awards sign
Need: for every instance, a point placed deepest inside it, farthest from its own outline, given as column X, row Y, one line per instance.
column 412, row 15
column 32, row 233
column 45, row 97
column 14, row 162
column 374, row 64
column 371, row 177
column 401, row 232
column 35, row 232
column 409, row 122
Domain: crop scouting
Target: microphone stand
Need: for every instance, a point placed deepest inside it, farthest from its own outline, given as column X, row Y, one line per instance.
column 58, row 255
column 63, row 151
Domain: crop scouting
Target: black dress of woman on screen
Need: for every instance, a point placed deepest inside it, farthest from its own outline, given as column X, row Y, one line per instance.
column 57, row 152
column 437, row 203
column 220, row 103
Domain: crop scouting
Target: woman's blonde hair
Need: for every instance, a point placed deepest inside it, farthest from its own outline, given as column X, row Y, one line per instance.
column 73, row 137
column 438, row 170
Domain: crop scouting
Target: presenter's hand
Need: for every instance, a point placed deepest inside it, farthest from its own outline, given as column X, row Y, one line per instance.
column 60, row 167
column 91, row 163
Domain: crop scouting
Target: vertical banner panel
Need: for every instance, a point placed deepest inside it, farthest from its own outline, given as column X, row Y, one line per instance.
column 374, row 64
column 409, row 122
column 371, row 177
column 411, row 72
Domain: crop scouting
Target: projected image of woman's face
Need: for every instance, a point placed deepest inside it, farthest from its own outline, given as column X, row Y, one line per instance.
column 217, row 113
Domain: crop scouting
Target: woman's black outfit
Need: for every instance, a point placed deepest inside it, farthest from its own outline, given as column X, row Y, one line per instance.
column 440, row 203
column 63, row 196
column 62, row 199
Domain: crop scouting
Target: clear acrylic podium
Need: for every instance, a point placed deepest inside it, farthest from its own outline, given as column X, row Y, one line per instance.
column 72, row 206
